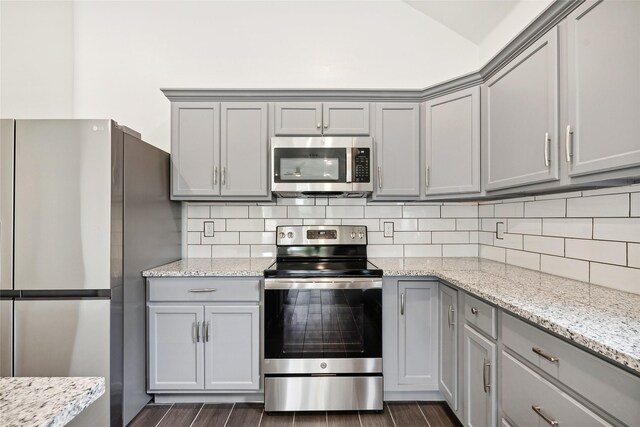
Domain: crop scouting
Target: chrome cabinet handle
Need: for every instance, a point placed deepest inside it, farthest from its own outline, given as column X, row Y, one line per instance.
column 549, row 420
column 485, row 375
column 544, row 354
column 196, row 290
column 546, row 149
column 318, row 125
column 193, row 332
column 450, row 316
column 224, row 175
column 326, row 125
column 197, row 331
column 215, row 175
column 379, row 178
column 206, row 332
column 402, row 304
column 474, row 311
column 426, row 177
column 567, row 143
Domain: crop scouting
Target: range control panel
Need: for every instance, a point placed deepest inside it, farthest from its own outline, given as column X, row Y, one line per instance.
column 321, row 234
column 361, row 165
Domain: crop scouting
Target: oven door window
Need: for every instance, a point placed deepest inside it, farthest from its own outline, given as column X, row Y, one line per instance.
column 310, row 165
column 313, row 323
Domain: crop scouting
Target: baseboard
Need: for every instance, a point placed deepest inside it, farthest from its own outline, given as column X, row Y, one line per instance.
column 429, row 396
column 209, row 398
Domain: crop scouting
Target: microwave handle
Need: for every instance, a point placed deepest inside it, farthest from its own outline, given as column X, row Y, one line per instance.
column 349, row 164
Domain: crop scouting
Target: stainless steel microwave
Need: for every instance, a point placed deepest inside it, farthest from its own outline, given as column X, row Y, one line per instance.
column 331, row 166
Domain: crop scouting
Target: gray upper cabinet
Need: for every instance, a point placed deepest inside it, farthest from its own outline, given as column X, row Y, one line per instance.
column 314, row 118
column 452, row 143
column 219, row 151
column 520, row 117
column 195, row 148
column 397, row 151
column 448, row 345
column 479, row 372
column 244, row 149
column 603, row 129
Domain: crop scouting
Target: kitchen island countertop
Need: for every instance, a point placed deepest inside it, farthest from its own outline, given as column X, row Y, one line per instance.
column 46, row 401
column 606, row 321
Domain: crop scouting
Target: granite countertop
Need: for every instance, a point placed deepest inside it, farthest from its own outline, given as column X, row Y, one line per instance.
column 46, row 401
column 604, row 320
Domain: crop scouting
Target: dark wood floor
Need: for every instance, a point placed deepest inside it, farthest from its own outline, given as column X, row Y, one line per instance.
column 396, row 414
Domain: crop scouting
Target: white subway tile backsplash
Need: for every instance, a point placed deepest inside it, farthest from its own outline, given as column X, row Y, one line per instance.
column 271, row 224
column 633, row 254
column 597, row 250
column 321, row 221
column 230, row 251
column 371, row 224
column 310, row 201
column 492, row 252
column 612, row 276
column 198, row 224
column 401, row 224
column 450, row 237
column 340, row 201
column 193, row 238
column 411, row 237
column 257, row 238
column 459, row 211
column 615, row 205
column 511, row 241
column 345, row 211
column 437, row 224
column 489, row 224
column 262, row 251
column 622, row 229
column 565, row 267
column 383, row 212
column 267, row 212
column 199, row 251
column 523, row 259
column 306, row 211
column 559, row 195
column 510, row 210
column 485, row 237
column 385, row 251
column 229, row 211
column 421, row 211
column 524, row 226
column 322, row 201
column 486, row 211
column 568, row 227
column 635, row 204
column 467, row 224
column 198, row 211
column 222, row 238
column 414, row 251
column 377, row 238
column 544, row 245
column 545, row 208
column 460, row 250
column 245, row 224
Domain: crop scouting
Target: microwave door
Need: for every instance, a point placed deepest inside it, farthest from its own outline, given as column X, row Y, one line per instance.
column 310, row 169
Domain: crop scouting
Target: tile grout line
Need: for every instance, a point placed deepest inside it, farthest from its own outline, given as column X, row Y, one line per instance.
column 391, row 414
column 360, row 419
column 194, row 420
column 423, row 415
column 229, row 416
column 165, row 414
column 261, row 416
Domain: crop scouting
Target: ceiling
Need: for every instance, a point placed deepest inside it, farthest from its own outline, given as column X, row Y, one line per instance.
column 472, row 19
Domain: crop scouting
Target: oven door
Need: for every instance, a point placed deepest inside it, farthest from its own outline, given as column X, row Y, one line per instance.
column 323, row 326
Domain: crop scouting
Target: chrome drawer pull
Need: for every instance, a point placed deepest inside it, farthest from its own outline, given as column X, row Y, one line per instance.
column 549, row 421
column 197, row 331
column 205, row 332
column 474, row 311
column 193, row 332
column 485, row 375
column 450, row 316
column 196, row 290
column 544, row 354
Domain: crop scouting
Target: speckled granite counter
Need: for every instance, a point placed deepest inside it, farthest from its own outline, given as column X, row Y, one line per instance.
column 211, row 267
column 601, row 319
column 45, row 401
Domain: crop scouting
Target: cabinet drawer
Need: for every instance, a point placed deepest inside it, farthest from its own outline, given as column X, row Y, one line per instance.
column 481, row 315
column 530, row 400
column 611, row 388
column 203, row 289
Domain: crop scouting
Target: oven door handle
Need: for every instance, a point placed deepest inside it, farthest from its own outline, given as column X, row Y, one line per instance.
column 324, row 283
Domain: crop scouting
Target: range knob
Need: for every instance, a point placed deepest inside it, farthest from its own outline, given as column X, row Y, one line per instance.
column 290, row 235
column 353, row 234
column 361, row 235
column 323, row 365
column 281, row 234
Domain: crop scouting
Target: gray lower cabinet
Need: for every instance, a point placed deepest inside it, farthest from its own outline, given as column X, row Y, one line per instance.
column 452, row 143
column 448, row 345
column 480, row 373
column 410, row 338
column 520, row 118
column 603, row 87
column 219, row 150
column 397, row 151
column 315, row 118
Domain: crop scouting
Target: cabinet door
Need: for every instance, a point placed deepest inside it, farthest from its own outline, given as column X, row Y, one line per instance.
column 232, row 347
column 417, row 333
column 604, row 86
column 397, row 150
column 298, row 118
column 452, row 142
column 244, row 149
column 448, row 345
column 176, row 355
column 345, row 118
column 479, row 380
column 195, row 148
column 521, row 120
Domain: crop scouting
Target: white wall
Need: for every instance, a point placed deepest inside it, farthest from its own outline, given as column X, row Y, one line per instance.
column 36, row 59
column 126, row 51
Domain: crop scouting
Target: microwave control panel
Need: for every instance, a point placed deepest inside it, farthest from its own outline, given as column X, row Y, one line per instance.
column 361, row 165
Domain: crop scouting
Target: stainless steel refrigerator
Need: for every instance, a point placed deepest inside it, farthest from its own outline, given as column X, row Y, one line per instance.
column 84, row 208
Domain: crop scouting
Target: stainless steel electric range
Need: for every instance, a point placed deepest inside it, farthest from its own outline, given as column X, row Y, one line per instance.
column 323, row 322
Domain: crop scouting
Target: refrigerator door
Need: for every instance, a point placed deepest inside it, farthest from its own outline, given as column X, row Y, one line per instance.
column 65, row 338
column 63, row 177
